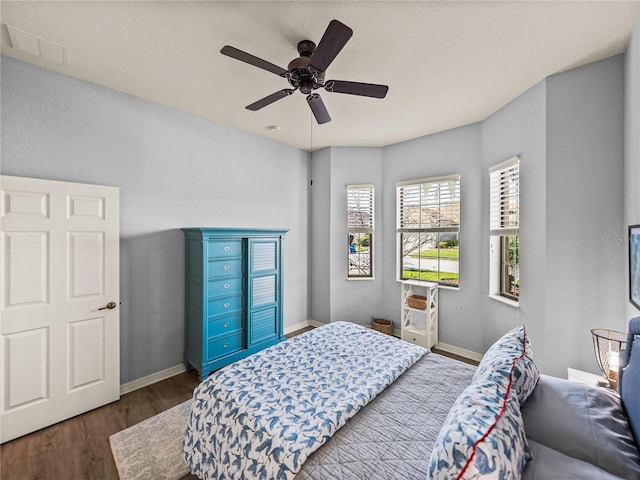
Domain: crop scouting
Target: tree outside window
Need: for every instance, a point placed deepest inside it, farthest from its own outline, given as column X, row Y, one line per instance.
column 429, row 230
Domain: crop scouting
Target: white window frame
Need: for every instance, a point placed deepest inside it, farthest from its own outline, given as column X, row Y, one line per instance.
column 441, row 226
column 360, row 222
column 504, row 222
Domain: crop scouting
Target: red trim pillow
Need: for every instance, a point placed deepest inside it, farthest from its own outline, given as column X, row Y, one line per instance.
column 511, row 352
column 483, row 435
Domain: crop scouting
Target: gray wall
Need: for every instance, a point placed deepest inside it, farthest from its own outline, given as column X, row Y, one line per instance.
column 568, row 131
column 584, row 263
column 173, row 170
column 320, row 236
column 353, row 300
column 631, row 153
column 333, row 296
column 454, row 151
column 518, row 128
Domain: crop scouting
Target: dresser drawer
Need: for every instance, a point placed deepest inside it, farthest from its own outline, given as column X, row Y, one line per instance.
column 225, row 286
column 225, row 305
column 225, row 267
column 225, row 346
column 225, row 325
column 225, row 248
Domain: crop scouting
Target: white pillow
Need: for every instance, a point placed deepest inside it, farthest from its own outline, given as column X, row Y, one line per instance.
column 482, row 437
column 510, row 356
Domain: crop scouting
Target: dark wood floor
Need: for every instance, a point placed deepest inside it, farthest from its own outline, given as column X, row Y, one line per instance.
column 457, row 357
column 78, row 448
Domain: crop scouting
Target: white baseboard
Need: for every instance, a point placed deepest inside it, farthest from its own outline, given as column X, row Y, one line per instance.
column 315, row 323
column 463, row 352
column 298, row 326
column 151, row 379
column 301, row 325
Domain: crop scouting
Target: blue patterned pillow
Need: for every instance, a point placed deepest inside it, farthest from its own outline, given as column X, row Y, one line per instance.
column 510, row 355
column 482, row 437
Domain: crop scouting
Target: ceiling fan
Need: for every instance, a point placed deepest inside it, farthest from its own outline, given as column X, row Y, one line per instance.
column 307, row 72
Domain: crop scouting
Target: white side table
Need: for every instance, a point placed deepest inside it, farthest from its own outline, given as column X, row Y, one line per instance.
column 580, row 376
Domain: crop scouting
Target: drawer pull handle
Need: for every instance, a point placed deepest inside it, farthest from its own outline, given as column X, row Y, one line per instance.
column 226, row 324
column 226, row 305
column 226, row 345
column 226, row 285
column 227, row 267
column 226, row 249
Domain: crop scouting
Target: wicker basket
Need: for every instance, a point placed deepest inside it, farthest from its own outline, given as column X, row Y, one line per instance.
column 382, row 325
column 417, row 301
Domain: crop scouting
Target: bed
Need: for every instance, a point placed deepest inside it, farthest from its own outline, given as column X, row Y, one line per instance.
column 398, row 411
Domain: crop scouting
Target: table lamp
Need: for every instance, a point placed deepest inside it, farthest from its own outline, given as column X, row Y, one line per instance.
column 607, row 345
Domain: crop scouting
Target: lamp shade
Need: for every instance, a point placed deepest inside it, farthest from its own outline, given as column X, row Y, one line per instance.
column 607, row 345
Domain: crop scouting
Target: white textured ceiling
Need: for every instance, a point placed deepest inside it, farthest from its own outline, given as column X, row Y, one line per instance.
column 447, row 63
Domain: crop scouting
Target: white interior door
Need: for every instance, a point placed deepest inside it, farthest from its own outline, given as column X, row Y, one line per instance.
column 59, row 345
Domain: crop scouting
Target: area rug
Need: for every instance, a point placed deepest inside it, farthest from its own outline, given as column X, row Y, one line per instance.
column 152, row 449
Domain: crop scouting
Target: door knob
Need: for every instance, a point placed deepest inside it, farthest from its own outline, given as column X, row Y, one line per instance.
column 110, row 306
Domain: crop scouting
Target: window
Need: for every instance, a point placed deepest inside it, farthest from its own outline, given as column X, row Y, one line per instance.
column 360, row 231
column 429, row 229
column 504, row 217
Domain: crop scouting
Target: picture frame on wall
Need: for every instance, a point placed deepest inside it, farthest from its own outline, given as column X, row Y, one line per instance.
column 634, row 265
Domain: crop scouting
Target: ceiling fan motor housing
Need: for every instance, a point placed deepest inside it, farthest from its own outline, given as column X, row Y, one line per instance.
column 300, row 74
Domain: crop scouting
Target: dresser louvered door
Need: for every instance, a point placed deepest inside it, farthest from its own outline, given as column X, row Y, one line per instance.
column 264, row 291
column 233, row 297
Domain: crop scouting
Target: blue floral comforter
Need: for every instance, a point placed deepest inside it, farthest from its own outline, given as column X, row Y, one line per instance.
column 261, row 417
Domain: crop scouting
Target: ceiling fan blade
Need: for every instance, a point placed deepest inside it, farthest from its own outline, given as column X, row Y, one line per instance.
column 335, row 37
column 269, row 99
column 356, row 88
column 318, row 108
column 252, row 60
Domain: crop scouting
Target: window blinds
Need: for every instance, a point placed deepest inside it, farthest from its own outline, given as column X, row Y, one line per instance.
column 504, row 198
column 429, row 205
column 360, row 208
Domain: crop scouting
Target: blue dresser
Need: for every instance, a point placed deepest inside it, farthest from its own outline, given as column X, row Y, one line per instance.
column 233, row 296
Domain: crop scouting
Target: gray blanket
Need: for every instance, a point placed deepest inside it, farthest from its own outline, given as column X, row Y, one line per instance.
column 393, row 436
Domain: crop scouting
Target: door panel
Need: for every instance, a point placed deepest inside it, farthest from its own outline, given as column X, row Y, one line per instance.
column 26, row 268
column 59, row 247
column 265, row 256
column 27, row 367
column 86, row 207
column 22, row 204
column 263, row 290
column 86, row 256
column 86, row 352
column 265, row 325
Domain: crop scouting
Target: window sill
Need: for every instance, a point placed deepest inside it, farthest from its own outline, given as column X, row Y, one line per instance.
column 425, row 283
column 506, row 301
column 359, row 279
